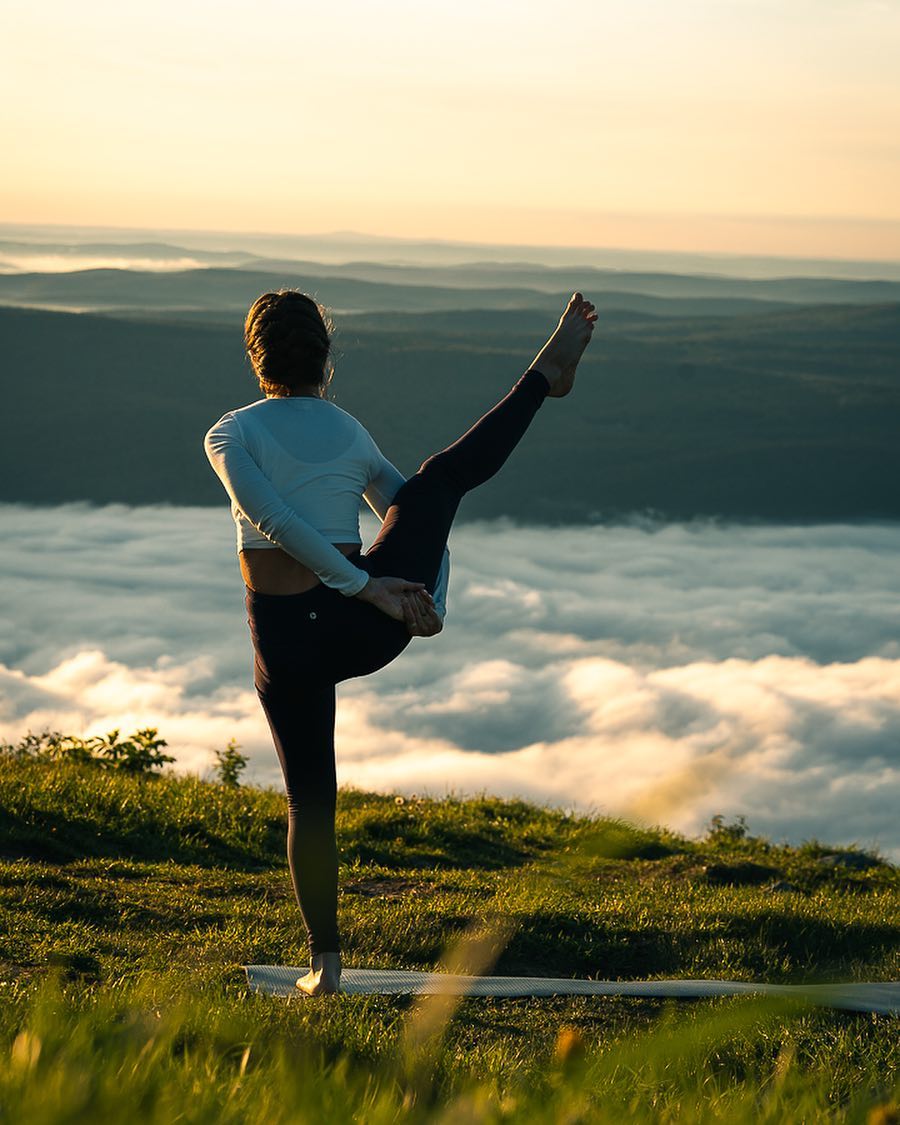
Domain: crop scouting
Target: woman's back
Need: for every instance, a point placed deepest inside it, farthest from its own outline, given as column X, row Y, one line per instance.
column 319, row 458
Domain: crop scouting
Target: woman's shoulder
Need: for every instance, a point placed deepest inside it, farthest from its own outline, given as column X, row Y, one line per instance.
column 230, row 426
column 243, row 417
column 249, row 408
column 232, row 414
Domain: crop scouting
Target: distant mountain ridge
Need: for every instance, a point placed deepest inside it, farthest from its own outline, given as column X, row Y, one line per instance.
column 219, row 289
column 125, row 250
column 343, row 246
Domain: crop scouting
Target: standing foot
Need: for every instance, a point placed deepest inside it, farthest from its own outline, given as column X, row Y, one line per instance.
column 559, row 357
column 324, row 975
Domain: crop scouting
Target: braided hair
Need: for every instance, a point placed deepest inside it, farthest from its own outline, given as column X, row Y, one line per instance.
column 288, row 340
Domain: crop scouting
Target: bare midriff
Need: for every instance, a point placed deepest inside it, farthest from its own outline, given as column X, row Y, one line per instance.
column 269, row 570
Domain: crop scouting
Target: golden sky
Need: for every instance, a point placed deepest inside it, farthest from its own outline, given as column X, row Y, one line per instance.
column 768, row 126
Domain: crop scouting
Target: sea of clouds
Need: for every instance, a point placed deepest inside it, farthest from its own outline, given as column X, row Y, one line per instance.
column 662, row 672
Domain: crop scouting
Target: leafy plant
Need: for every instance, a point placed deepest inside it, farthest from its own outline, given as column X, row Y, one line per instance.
column 721, row 833
column 230, row 763
column 140, row 753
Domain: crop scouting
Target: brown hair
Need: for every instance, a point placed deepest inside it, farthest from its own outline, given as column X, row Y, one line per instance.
column 288, row 339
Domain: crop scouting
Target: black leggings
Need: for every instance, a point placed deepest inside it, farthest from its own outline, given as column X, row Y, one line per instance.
column 306, row 643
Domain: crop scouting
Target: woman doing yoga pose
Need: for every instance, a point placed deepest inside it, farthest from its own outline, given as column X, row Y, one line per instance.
column 296, row 467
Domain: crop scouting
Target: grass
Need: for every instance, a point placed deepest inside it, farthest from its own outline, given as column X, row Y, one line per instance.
column 128, row 905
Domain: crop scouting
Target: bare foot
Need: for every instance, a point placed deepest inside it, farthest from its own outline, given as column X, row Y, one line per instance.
column 560, row 355
column 324, row 975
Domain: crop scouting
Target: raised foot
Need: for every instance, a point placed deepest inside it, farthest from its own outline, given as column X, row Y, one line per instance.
column 324, row 976
column 560, row 355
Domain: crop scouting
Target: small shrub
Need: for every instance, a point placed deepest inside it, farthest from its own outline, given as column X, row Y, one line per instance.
column 230, row 763
column 721, row 833
column 140, row 753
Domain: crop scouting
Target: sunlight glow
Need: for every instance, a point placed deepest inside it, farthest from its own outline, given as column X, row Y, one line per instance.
column 711, row 124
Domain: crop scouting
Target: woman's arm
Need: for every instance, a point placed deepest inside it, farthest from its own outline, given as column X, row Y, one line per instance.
column 254, row 494
column 380, row 492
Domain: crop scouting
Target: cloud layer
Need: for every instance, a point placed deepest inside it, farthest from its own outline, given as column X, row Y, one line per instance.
column 661, row 672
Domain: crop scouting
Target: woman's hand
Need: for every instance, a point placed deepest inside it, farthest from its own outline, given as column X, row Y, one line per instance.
column 387, row 594
column 422, row 619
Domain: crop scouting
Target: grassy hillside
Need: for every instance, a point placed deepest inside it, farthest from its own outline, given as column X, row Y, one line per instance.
column 128, row 904
column 786, row 415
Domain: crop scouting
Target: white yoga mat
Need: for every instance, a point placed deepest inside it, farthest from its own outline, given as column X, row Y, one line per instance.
column 279, row 980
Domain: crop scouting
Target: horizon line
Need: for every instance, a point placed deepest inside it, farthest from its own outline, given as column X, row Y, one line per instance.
column 538, row 246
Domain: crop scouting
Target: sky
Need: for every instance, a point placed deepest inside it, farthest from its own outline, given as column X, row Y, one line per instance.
column 710, row 125
column 666, row 673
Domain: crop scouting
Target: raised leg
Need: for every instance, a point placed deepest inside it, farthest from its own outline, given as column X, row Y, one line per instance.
column 415, row 529
column 414, row 533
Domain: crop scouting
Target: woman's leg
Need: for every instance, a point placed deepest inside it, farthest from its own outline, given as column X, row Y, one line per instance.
column 414, row 533
column 299, row 706
column 412, row 538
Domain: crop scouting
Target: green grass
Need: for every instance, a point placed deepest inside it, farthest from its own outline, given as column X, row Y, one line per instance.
column 128, row 905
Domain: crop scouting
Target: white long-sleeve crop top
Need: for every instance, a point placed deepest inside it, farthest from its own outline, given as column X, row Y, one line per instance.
column 297, row 469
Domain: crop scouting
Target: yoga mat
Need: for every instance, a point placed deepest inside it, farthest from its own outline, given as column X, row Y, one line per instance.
column 279, row 980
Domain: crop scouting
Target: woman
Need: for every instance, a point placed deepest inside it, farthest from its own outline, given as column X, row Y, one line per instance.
column 296, row 467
